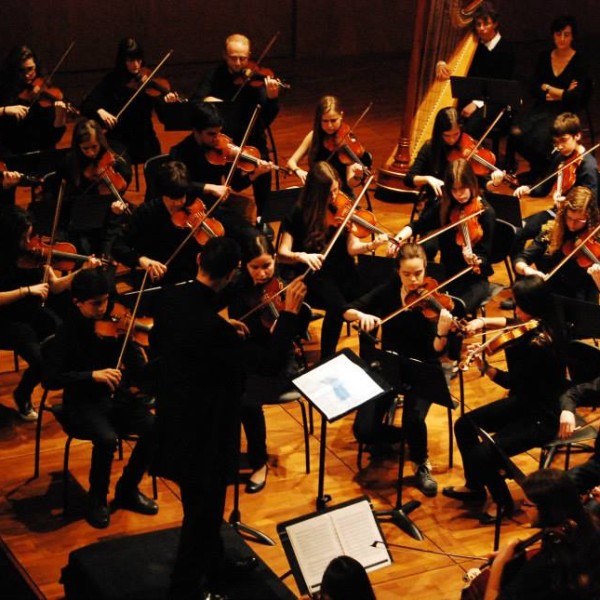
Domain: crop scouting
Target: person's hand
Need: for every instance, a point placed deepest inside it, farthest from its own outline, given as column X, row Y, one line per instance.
column 470, row 258
column 271, row 87
column 474, row 326
column 435, row 184
column 368, row 322
column 240, row 328
column 155, row 269
column 41, row 290
column 567, row 424
column 497, row 177
column 522, row 190
column 10, row 179
column 107, row 118
column 110, row 377
column 91, row 263
column 216, row 190
column 262, row 167
column 294, row 296
column 314, row 261
column 18, row 111
column 468, row 110
column 60, row 113
column 594, row 273
column 170, row 98
column 445, row 322
column 301, row 174
column 118, row 207
column 380, row 240
column 357, row 171
column 442, row 71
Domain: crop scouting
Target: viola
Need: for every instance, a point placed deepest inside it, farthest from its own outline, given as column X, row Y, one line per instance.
column 588, row 251
column 24, row 180
column 482, row 160
column 45, row 95
column 157, row 87
column 116, row 323
column 63, row 254
column 225, row 151
column 255, row 75
column 194, row 217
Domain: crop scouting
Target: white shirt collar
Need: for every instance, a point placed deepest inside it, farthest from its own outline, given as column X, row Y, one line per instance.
column 493, row 42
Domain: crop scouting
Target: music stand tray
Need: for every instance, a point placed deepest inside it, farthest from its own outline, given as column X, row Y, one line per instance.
column 506, row 92
column 312, row 541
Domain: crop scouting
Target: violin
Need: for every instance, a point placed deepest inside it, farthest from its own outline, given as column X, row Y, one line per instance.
column 432, row 304
column 470, row 231
column 588, row 251
column 346, row 145
column 567, row 177
column 64, row 255
column 194, row 217
column 157, row 87
column 40, row 91
column 109, row 180
column 24, row 180
column 116, row 323
column 254, row 75
column 270, row 295
column 482, row 160
column 498, row 342
column 225, row 151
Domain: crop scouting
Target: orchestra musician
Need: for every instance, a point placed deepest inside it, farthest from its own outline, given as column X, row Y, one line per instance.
column 222, row 84
column 461, row 196
column 25, row 127
column 133, row 130
column 198, row 411
column 561, row 83
column 327, row 125
column 9, row 179
column 494, row 59
column 528, row 416
column 333, row 282
column 576, row 216
column 97, row 404
column 269, row 358
column 411, row 335
column 567, row 564
column 25, row 320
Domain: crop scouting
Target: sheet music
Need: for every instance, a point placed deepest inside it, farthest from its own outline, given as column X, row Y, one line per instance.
column 350, row 530
column 338, row 386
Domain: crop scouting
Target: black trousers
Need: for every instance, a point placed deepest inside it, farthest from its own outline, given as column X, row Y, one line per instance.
column 587, row 475
column 514, row 432
column 103, row 423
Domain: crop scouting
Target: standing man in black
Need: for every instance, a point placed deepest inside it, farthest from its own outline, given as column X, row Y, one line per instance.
column 198, row 411
column 222, row 84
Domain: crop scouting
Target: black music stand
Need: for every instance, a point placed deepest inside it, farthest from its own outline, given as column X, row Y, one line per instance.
column 507, row 208
column 506, row 92
column 177, row 116
column 38, row 163
column 337, row 386
column 581, row 318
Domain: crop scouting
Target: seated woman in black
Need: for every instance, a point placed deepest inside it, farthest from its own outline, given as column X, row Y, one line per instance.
column 529, row 416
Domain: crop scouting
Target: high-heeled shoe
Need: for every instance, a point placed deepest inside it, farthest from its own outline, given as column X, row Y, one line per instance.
column 253, row 487
column 508, row 510
column 467, row 496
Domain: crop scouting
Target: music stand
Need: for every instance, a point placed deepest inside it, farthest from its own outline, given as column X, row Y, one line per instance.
column 506, row 92
column 38, row 163
column 312, row 541
column 335, row 387
column 177, row 116
column 89, row 211
column 581, row 318
column 507, row 208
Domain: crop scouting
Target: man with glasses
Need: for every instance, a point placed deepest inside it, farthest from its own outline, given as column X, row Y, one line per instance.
column 226, row 84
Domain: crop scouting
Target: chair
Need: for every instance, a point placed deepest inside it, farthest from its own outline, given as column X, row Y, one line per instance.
column 583, row 433
column 151, row 167
column 272, row 151
column 15, row 357
column 583, row 361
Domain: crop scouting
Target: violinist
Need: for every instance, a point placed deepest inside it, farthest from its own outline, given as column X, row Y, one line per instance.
column 24, row 320
column 561, row 83
column 96, row 402
column 150, row 236
column 25, row 127
column 133, row 131
column 528, row 417
column 567, row 565
column 208, row 174
column 577, row 215
column 410, row 334
column 9, row 179
column 329, row 131
column 494, row 58
column 461, row 196
column 222, row 84
column 269, row 358
column 333, row 282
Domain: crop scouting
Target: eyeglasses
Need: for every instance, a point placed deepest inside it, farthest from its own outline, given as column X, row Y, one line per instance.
column 573, row 220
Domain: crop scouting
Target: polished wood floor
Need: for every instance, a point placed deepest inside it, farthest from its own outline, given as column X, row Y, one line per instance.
column 41, row 538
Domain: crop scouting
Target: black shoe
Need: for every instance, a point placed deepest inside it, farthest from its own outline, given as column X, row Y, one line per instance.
column 424, row 480
column 97, row 513
column 507, row 304
column 253, row 487
column 240, row 566
column 472, row 496
column 508, row 510
column 25, row 409
column 265, row 229
column 134, row 501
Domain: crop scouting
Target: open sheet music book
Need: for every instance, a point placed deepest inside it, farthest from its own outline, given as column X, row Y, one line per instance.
column 312, row 541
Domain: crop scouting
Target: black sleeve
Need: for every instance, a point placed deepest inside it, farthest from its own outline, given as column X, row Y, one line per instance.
column 581, row 394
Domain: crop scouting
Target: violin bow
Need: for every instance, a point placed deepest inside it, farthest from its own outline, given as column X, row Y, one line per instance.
column 257, row 65
column 563, row 167
column 354, row 126
column 57, row 211
column 325, row 252
column 445, row 228
column 426, row 551
column 234, row 165
column 485, row 134
column 144, row 84
column 61, row 60
column 573, row 252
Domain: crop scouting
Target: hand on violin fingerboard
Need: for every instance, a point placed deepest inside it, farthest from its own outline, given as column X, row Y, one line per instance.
column 470, row 258
column 60, row 114
column 271, row 87
column 294, row 296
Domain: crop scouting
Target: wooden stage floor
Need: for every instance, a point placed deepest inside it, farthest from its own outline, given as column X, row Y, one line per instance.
column 31, row 520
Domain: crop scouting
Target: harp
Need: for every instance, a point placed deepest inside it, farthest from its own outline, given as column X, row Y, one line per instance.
column 442, row 32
